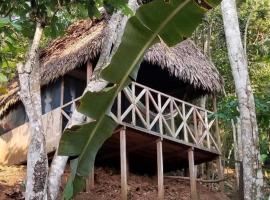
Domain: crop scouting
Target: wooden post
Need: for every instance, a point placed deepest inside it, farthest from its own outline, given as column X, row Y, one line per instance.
column 62, row 92
column 160, row 170
column 127, row 156
column 89, row 71
column 185, row 122
column 123, row 157
column 160, row 118
column 90, row 182
column 192, row 174
column 172, row 117
column 195, row 125
column 219, row 164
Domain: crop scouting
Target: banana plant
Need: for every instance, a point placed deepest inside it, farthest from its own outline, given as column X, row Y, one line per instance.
column 168, row 22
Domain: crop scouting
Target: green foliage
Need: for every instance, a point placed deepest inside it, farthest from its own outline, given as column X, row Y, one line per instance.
column 227, row 111
column 176, row 21
column 254, row 21
column 3, row 78
column 8, row 49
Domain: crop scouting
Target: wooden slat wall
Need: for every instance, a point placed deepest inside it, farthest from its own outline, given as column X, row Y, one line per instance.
column 14, row 144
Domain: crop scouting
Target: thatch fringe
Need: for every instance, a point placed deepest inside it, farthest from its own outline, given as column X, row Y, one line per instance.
column 188, row 63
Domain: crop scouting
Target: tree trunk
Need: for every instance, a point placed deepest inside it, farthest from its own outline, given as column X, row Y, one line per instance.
column 253, row 178
column 239, row 139
column 115, row 31
column 37, row 162
column 236, row 150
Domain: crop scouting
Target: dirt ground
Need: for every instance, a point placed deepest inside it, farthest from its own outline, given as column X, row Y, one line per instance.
column 107, row 186
column 12, row 182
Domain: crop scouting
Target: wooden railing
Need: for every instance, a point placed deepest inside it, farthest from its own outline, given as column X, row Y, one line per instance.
column 151, row 111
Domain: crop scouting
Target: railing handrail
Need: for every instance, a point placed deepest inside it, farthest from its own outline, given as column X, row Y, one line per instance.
column 169, row 96
column 150, row 89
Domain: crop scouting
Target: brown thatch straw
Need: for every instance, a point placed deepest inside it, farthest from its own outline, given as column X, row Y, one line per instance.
column 83, row 41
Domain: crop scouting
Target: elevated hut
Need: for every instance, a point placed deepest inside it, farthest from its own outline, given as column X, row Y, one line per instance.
column 156, row 111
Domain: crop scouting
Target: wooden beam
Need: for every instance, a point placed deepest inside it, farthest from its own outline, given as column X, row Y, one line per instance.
column 192, row 173
column 123, row 156
column 160, row 170
column 199, row 180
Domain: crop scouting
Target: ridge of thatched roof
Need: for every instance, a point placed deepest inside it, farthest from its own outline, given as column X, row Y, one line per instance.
column 83, row 41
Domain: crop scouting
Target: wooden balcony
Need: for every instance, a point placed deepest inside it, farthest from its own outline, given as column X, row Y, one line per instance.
column 149, row 115
column 156, row 113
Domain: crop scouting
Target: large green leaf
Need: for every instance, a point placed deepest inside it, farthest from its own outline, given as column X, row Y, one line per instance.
column 85, row 141
column 4, row 22
column 3, row 78
column 102, row 101
column 159, row 21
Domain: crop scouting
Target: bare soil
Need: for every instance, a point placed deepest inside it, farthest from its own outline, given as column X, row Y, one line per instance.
column 107, row 186
column 12, row 182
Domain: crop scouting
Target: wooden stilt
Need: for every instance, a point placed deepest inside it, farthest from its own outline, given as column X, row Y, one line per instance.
column 90, row 182
column 160, row 170
column 127, row 165
column 123, row 156
column 62, row 92
column 192, row 174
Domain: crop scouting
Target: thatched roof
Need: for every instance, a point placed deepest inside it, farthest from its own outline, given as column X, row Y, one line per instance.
column 83, row 41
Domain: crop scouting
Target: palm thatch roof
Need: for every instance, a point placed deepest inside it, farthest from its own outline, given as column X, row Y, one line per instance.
column 83, row 41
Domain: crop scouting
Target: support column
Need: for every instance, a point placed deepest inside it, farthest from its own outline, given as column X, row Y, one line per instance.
column 123, row 158
column 192, row 174
column 127, row 156
column 160, row 170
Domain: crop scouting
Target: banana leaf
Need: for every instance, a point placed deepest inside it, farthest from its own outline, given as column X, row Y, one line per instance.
column 168, row 22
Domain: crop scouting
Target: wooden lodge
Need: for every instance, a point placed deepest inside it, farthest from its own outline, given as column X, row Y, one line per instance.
column 161, row 124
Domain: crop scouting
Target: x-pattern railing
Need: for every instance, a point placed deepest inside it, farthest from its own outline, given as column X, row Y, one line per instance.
column 141, row 107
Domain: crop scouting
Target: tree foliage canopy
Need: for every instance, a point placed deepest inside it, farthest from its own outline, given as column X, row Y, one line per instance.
column 254, row 22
